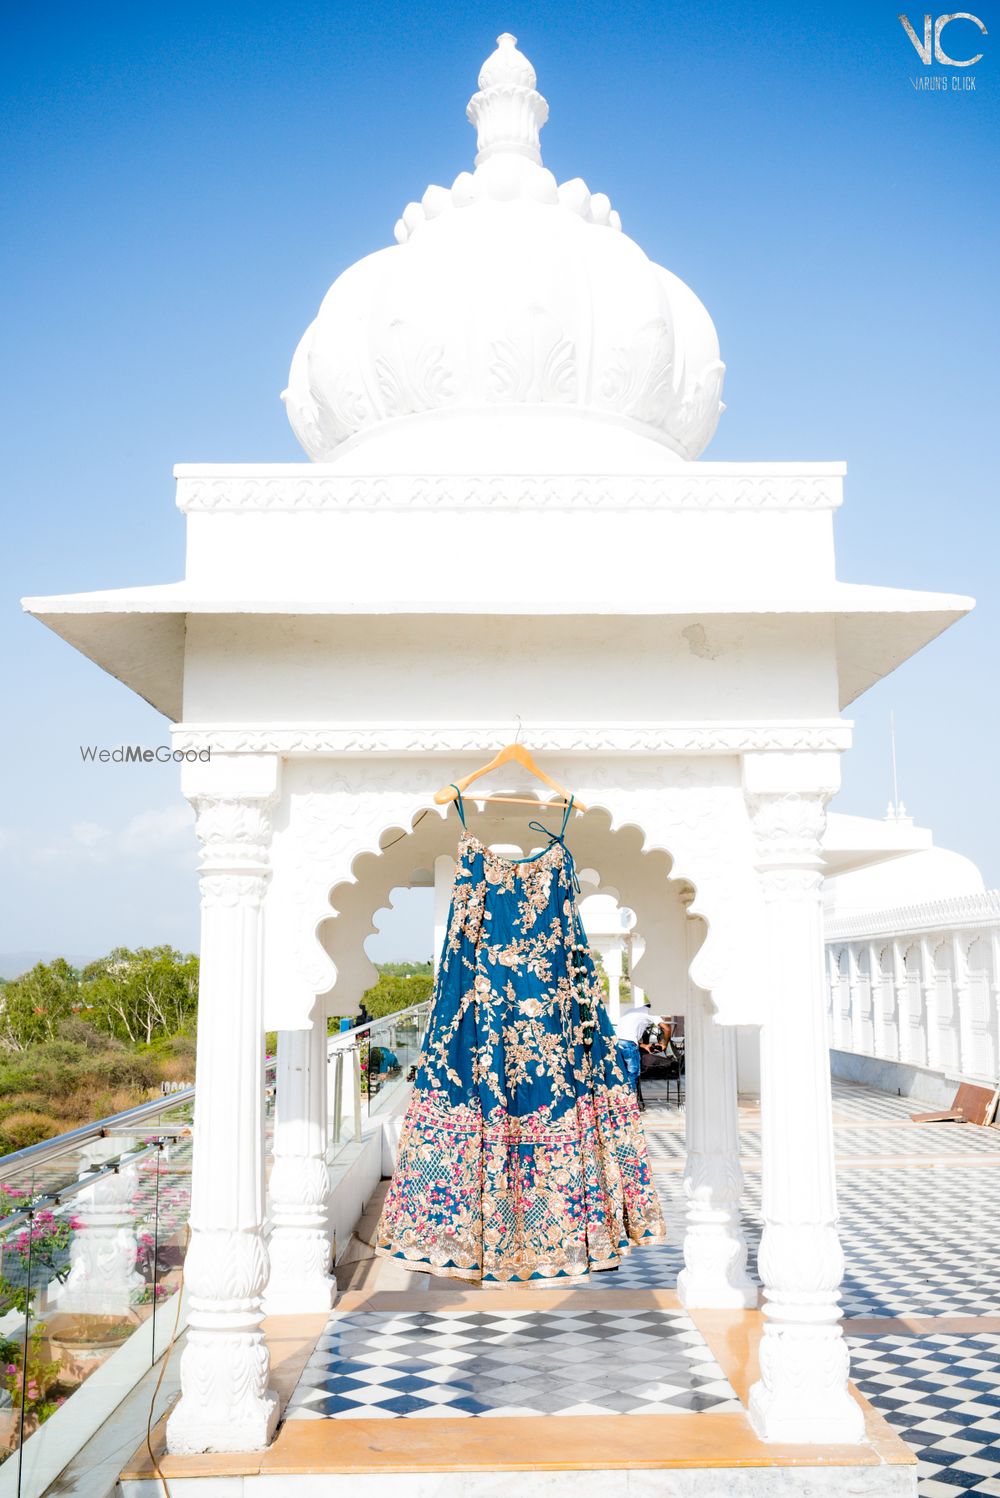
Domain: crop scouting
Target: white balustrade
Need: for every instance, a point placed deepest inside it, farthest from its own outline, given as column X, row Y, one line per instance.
column 919, row 985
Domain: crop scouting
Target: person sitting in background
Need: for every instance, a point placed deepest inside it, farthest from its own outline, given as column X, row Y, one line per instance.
column 630, row 1032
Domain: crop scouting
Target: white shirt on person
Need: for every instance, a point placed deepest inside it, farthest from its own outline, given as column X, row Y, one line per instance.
column 634, row 1023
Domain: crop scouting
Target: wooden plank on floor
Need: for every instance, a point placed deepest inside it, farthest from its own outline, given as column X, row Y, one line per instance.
column 919, row 1326
column 506, row 1297
column 548, row 1443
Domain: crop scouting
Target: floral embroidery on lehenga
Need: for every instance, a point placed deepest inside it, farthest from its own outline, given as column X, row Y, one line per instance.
column 522, row 1154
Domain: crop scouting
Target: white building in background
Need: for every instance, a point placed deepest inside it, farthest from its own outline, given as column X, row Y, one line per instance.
column 913, row 953
column 503, row 517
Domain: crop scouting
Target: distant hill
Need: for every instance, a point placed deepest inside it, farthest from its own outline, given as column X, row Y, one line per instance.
column 13, row 964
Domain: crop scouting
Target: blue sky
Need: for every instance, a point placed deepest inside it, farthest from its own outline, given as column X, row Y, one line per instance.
column 182, row 184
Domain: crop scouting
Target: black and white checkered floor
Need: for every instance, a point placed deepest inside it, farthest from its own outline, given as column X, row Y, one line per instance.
column 902, row 1254
column 941, row 1393
column 455, row 1363
column 919, row 1240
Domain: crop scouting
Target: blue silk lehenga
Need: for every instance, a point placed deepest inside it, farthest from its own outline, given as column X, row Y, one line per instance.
column 522, row 1154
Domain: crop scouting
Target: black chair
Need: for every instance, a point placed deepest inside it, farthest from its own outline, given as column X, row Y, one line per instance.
column 664, row 1064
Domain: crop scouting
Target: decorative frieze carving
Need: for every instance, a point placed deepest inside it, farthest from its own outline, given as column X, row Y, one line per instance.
column 302, row 489
column 620, row 739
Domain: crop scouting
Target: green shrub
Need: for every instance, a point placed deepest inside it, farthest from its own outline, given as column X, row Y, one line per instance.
column 18, row 1130
column 126, row 1069
column 181, row 1046
column 51, row 1067
column 21, row 1102
column 83, row 1035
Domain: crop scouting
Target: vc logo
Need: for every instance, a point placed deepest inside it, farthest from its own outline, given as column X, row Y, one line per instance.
column 935, row 29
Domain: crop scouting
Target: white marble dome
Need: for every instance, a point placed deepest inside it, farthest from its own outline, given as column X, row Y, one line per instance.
column 918, row 878
column 507, row 289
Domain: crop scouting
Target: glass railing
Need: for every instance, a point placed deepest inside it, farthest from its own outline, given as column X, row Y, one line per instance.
column 369, row 1070
column 93, row 1230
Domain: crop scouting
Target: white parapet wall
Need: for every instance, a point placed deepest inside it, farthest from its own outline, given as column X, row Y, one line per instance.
column 914, row 996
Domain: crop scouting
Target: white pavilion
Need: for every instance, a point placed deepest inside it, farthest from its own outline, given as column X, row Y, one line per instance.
column 503, row 514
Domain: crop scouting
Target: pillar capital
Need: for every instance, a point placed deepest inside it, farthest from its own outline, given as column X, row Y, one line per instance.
column 233, row 803
column 786, row 797
column 788, row 829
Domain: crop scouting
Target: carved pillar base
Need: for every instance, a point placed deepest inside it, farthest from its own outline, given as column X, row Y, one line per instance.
column 802, row 1394
column 225, row 1404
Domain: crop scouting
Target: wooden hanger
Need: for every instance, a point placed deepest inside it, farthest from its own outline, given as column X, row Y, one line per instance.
column 521, row 756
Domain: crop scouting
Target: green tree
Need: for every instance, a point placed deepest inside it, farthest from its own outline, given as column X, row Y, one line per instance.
column 33, row 1006
column 393, row 992
column 141, row 995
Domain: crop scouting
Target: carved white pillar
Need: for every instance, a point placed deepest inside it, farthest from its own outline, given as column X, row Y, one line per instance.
column 103, row 1277
column 299, row 1247
column 802, row 1393
column 833, row 983
column 932, row 1008
column 904, row 1003
column 225, row 1403
column 715, row 1250
column 854, row 999
column 970, row 1063
column 345, row 1084
column 995, row 996
column 875, row 991
column 613, row 967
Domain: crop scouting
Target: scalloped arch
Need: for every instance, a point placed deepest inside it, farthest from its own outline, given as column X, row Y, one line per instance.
column 337, row 816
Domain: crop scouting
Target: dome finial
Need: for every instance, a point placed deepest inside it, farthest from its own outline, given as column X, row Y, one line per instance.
column 507, row 111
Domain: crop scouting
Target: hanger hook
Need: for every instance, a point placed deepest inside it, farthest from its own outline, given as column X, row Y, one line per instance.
column 517, row 736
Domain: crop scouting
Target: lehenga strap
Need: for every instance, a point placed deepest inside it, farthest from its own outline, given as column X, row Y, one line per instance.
column 569, row 808
column 459, row 803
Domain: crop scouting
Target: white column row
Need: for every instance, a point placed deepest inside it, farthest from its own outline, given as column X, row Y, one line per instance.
column 927, row 998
